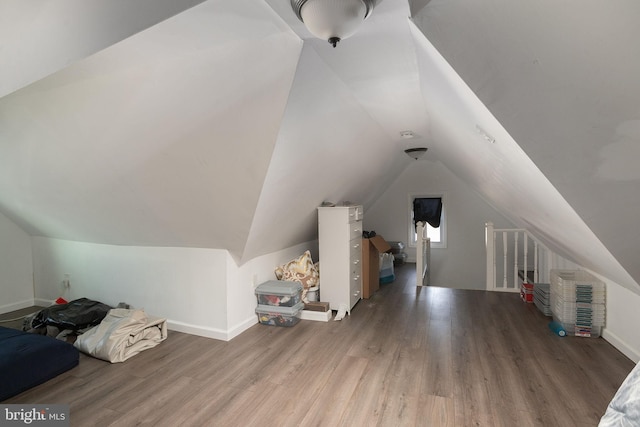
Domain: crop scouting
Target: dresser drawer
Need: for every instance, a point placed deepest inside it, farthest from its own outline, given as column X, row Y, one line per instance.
column 355, row 248
column 355, row 230
column 355, row 263
column 355, row 271
column 355, row 213
column 355, row 287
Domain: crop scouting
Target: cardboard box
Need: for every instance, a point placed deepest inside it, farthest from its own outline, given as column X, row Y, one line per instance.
column 371, row 250
column 316, row 306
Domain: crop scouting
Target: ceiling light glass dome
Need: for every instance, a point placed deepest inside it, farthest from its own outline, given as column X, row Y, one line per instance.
column 332, row 20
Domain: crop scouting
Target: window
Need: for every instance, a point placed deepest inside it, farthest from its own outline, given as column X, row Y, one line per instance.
column 436, row 234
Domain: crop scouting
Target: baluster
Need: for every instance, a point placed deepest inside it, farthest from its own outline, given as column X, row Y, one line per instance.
column 504, row 256
column 494, row 282
column 419, row 253
column 526, row 257
column 515, row 259
column 490, row 245
column 536, row 279
column 427, row 257
column 495, row 263
column 490, row 250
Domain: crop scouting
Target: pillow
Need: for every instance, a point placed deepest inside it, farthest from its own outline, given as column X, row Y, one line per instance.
column 300, row 270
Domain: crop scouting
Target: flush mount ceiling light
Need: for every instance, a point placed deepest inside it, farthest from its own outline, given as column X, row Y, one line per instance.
column 416, row 153
column 332, row 20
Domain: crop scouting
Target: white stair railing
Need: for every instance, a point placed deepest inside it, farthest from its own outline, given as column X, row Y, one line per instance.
column 514, row 256
column 423, row 255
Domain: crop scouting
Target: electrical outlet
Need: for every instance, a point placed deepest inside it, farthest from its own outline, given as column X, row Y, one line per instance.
column 66, row 282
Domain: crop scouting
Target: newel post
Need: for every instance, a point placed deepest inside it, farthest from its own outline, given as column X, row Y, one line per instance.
column 489, row 242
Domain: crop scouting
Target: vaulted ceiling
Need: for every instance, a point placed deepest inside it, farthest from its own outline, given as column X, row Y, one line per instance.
column 224, row 123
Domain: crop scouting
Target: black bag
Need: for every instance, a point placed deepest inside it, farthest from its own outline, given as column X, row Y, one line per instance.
column 77, row 314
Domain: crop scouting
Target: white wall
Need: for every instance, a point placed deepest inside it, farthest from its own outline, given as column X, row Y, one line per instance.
column 185, row 285
column 622, row 320
column 199, row 291
column 16, row 271
column 462, row 263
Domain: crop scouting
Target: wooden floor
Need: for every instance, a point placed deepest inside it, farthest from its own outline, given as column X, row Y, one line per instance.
column 405, row 357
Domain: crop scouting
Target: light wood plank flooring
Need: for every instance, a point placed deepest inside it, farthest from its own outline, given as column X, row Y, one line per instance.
column 405, row 357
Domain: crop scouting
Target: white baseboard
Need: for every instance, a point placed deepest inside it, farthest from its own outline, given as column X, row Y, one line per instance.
column 316, row 315
column 204, row 331
column 43, row 302
column 222, row 335
column 201, row 331
column 240, row 328
column 6, row 308
column 622, row 346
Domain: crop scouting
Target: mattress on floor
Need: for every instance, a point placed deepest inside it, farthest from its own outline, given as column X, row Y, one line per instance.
column 27, row 360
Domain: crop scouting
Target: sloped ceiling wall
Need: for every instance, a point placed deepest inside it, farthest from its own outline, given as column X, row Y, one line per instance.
column 40, row 37
column 562, row 80
column 163, row 139
column 497, row 168
column 340, row 136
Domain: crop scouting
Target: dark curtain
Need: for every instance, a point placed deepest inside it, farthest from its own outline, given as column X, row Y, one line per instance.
column 427, row 209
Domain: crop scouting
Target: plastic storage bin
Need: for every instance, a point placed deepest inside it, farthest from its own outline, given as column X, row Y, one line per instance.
column 278, row 315
column 578, row 302
column 573, row 329
column 400, row 259
column 279, row 293
column 397, row 250
column 387, row 274
column 542, row 297
column 572, row 311
column 577, row 286
column 526, row 292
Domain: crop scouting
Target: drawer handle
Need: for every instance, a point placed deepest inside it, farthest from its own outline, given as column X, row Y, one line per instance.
column 356, row 262
column 356, row 246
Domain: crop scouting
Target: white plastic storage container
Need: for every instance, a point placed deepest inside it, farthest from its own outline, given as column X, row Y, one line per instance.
column 279, row 293
column 387, row 274
column 572, row 311
column 542, row 297
column 573, row 329
column 577, row 286
column 578, row 302
column 279, row 316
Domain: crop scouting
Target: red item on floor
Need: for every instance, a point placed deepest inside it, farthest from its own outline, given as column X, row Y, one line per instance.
column 61, row 300
column 526, row 292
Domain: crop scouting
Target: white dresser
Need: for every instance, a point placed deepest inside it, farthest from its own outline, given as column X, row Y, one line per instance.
column 340, row 247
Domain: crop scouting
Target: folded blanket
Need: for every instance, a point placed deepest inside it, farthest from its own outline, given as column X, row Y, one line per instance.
column 122, row 334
